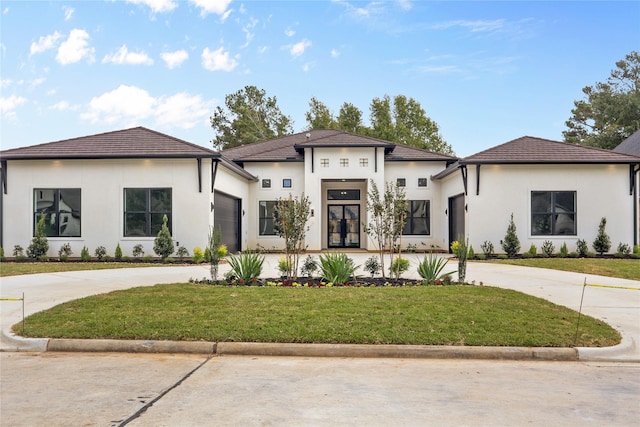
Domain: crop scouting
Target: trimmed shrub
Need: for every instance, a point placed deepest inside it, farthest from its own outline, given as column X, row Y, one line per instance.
column 548, row 248
column 511, row 243
column 372, row 266
column 163, row 243
column 64, row 252
column 399, row 266
column 533, row 251
column 39, row 244
column 309, row 266
column 118, row 253
column 85, row 255
column 602, row 243
column 100, row 253
column 564, row 251
column 487, row 249
column 182, row 253
column 624, row 250
column 138, row 251
column 582, row 248
column 198, row 255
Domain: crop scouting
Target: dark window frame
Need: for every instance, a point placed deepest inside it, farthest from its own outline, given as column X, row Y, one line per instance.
column 411, row 221
column 266, row 183
column 59, row 223
column 401, row 182
column 287, row 183
column 553, row 214
column 263, row 219
column 423, row 182
column 149, row 229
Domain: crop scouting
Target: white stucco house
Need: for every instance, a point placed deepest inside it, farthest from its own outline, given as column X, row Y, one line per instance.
column 114, row 188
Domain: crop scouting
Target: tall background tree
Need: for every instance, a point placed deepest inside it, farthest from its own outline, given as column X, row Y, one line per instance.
column 610, row 111
column 250, row 116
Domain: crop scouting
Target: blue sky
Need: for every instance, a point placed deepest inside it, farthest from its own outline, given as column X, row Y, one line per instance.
column 486, row 72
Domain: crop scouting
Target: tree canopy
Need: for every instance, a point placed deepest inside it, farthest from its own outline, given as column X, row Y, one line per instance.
column 251, row 116
column 610, row 111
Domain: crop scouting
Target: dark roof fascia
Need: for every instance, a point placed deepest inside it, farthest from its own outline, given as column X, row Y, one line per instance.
column 245, row 160
column 403, row 159
column 114, row 157
column 630, row 161
column 237, row 169
column 451, row 168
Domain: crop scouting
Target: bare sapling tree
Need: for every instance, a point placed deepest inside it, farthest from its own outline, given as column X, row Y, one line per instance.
column 292, row 215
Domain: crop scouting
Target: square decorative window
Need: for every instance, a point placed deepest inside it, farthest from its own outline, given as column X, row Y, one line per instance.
column 418, row 218
column 553, row 213
column 401, row 182
column 61, row 210
column 422, row 182
column 144, row 210
column 267, row 217
column 266, row 183
column 344, row 163
column 286, row 183
column 324, row 163
column 364, row 163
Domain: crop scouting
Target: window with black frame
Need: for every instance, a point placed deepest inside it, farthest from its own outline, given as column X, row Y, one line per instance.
column 266, row 217
column 553, row 213
column 418, row 218
column 144, row 209
column 61, row 208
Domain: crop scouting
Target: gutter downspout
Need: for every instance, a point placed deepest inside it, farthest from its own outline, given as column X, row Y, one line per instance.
column 3, row 191
column 214, row 172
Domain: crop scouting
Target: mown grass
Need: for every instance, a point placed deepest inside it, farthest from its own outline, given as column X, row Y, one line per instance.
column 17, row 268
column 451, row 315
column 612, row 267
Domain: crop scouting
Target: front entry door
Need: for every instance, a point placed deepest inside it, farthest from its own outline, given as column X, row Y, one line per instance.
column 344, row 226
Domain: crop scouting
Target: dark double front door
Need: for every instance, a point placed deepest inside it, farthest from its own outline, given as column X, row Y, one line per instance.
column 344, row 226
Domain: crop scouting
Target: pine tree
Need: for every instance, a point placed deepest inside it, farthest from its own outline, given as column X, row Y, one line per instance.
column 163, row 243
column 39, row 244
column 602, row 243
column 511, row 243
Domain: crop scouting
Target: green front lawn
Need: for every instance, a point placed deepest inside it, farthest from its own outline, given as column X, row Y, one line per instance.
column 17, row 268
column 433, row 315
column 612, row 267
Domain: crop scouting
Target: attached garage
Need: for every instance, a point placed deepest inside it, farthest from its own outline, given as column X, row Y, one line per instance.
column 227, row 215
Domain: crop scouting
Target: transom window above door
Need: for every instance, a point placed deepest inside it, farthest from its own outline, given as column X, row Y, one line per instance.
column 343, row 194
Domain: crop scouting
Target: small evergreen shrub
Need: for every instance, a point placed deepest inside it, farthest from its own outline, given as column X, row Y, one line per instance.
column 118, row 253
column 309, row 266
column 636, row 250
column 533, row 251
column 472, row 253
column 163, row 243
column 564, row 251
column 624, row 250
column 573, row 255
column 547, row 248
column 138, row 251
column 602, row 243
column 182, row 253
column 198, row 255
column 39, row 244
column 100, row 253
column 85, row 255
column 207, row 254
column 372, row 266
column 487, row 249
column 147, row 258
column 511, row 243
column 64, row 252
column 2, row 257
column 527, row 255
column 582, row 248
column 18, row 251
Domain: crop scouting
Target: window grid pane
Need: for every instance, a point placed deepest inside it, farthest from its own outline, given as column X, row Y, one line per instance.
column 61, row 210
column 266, row 217
column 553, row 213
column 418, row 218
column 145, row 209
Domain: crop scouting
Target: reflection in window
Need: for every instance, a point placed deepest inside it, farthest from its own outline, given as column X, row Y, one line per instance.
column 144, row 209
column 553, row 213
column 61, row 208
column 267, row 215
column 418, row 218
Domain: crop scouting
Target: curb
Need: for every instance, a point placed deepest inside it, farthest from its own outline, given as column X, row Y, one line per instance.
column 315, row 350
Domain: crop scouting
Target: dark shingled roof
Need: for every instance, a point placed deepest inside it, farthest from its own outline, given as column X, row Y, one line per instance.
column 138, row 142
column 630, row 145
column 528, row 149
column 291, row 147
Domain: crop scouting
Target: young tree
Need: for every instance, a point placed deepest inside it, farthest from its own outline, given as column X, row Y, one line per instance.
column 388, row 218
column 602, row 243
column 39, row 244
column 610, row 111
column 163, row 243
column 511, row 243
column 216, row 250
column 292, row 215
column 251, row 116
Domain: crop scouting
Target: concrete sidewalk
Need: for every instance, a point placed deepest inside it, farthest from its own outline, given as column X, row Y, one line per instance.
column 618, row 306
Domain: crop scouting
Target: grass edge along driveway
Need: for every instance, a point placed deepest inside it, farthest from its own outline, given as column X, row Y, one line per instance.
column 423, row 315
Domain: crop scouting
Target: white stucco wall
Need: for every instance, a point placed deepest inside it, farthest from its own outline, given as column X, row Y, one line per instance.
column 601, row 191
column 102, row 184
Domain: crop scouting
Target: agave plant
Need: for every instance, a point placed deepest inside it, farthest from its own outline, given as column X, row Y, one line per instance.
column 431, row 267
column 337, row 268
column 246, row 266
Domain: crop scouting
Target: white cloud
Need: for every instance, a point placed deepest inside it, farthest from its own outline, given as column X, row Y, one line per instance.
column 37, row 82
column 157, row 6
column 299, row 48
column 182, row 110
column 4, row 83
column 248, row 31
column 8, row 105
column 404, row 4
column 68, row 12
column 130, row 105
column 217, row 60
column 123, row 56
column 473, row 26
column 335, row 53
column 60, row 106
column 127, row 104
column 75, row 48
column 289, row 32
column 45, row 43
column 219, row 7
column 174, row 59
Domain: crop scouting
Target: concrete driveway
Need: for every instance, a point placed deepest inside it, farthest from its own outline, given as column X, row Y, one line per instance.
column 618, row 305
